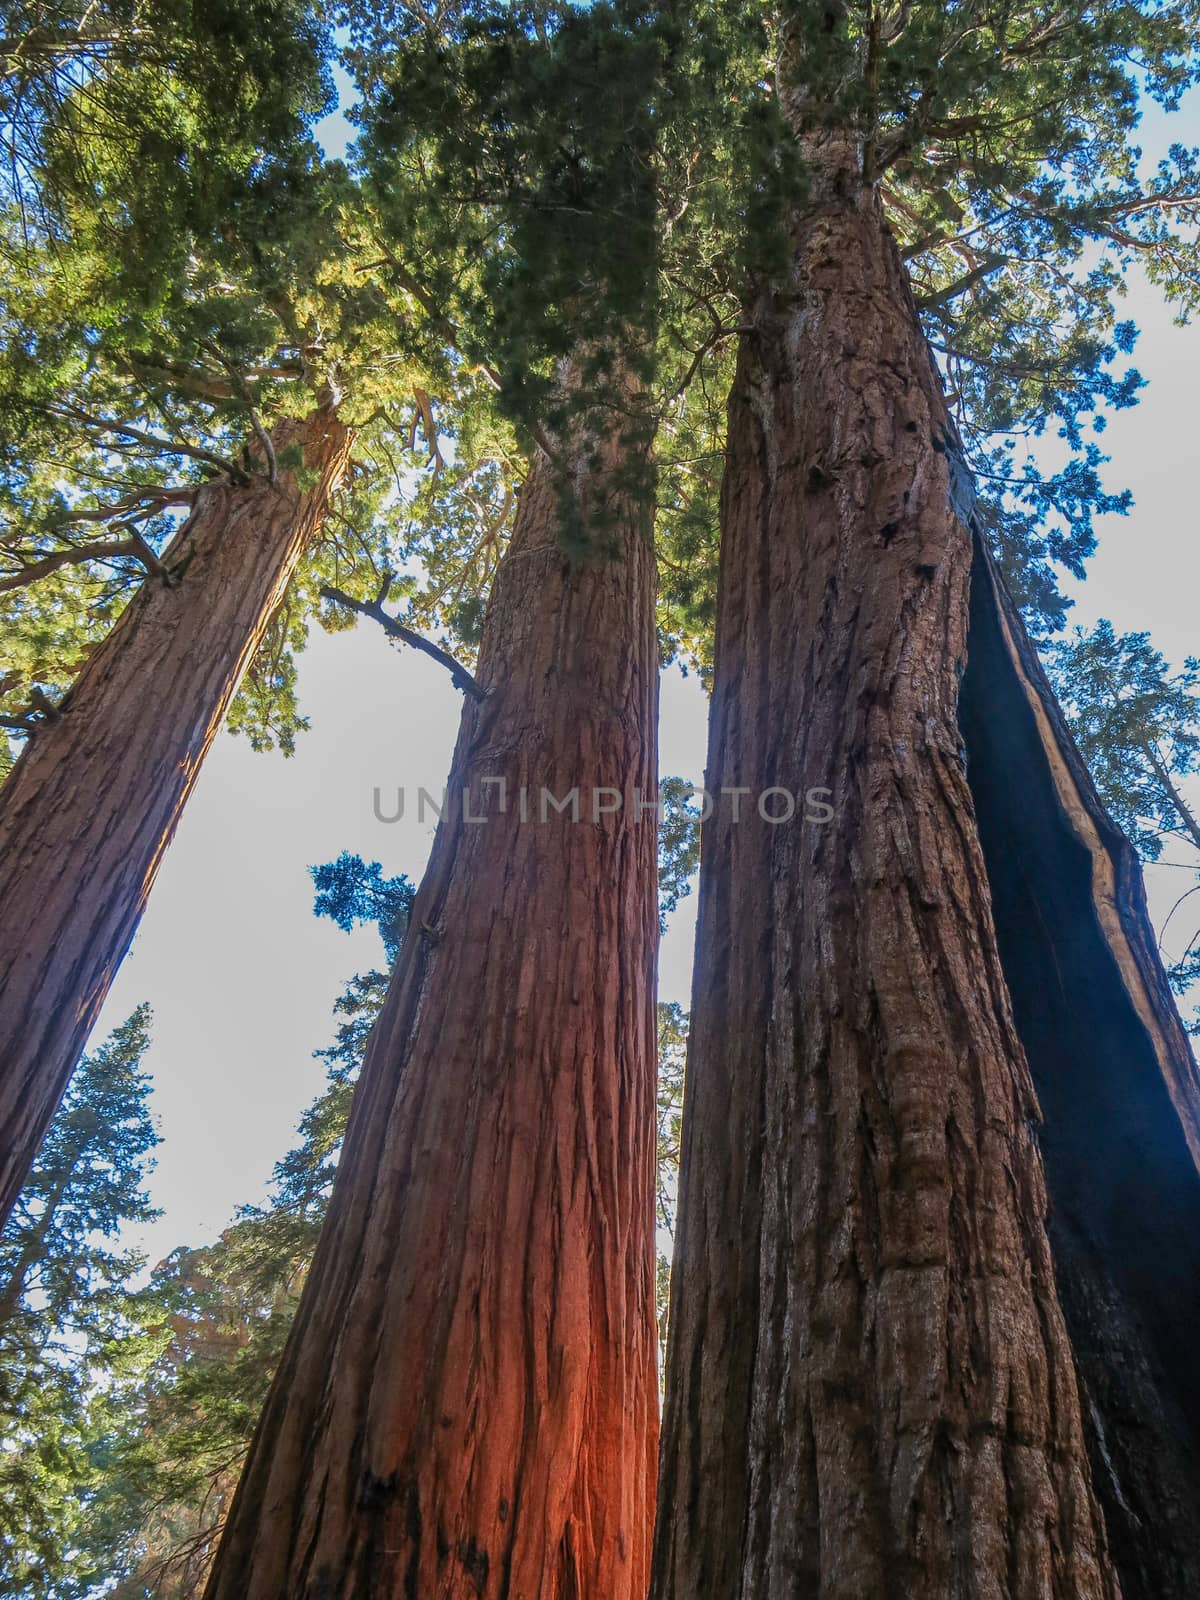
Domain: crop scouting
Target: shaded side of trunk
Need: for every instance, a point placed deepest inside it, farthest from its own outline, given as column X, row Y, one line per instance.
column 870, row 1385
column 467, row 1405
column 1119, row 1096
column 89, row 809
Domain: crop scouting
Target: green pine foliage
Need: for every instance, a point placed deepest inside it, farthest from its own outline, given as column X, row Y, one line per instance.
column 72, row 1339
column 537, row 179
column 559, row 142
column 672, row 1058
column 1137, row 725
column 141, row 117
column 108, row 441
column 168, row 299
column 351, row 892
column 1003, row 139
column 1004, row 142
column 678, row 845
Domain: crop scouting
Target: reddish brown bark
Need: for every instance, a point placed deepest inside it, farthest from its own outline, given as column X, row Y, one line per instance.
column 467, row 1405
column 870, row 1388
column 89, row 809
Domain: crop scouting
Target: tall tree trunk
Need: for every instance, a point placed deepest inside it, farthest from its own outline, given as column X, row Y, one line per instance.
column 1119, row 1095
column 89, row 809
column 871, row 1383
column 467, row 1405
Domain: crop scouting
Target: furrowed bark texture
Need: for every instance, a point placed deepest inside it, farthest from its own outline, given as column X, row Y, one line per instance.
column 1119, row 1095
column 467, row 1406
column 870, row 1386
column 91, row 806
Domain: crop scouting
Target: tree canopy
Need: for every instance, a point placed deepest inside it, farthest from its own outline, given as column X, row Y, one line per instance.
column 532, row 184
column 72, row 1337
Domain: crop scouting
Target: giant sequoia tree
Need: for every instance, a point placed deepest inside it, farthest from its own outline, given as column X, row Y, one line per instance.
column 216, row 363
column 69, row 1334
column 98, row 116
column 91, row 806
column 467, row 1402
column 939, row 1209
column 469, row 1393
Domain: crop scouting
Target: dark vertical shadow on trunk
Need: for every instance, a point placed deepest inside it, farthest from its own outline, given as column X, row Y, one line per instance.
column 1103, row 1041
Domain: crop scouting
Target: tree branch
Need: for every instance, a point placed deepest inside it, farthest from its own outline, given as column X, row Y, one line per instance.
column 139, row 505
column 243, row 389
column 985, row 269
column 101, row 550
column 124, row 430
column 396, row 630
column 437, row 316
column 1182, row 810
column 40, row 711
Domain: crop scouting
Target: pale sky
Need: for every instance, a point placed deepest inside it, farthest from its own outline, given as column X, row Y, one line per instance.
column 240, row 974
column 242, row 977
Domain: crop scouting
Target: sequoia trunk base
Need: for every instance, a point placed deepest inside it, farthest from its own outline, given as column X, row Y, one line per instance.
column 1118, row 1091
column 870, row 1386
column 467, row 1406
column 90, row 808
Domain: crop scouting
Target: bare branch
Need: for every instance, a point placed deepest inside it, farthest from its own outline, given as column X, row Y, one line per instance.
column 143, row 503
column 397, row 630
column 425, row 412
column 102, row 549
column 986, row 267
